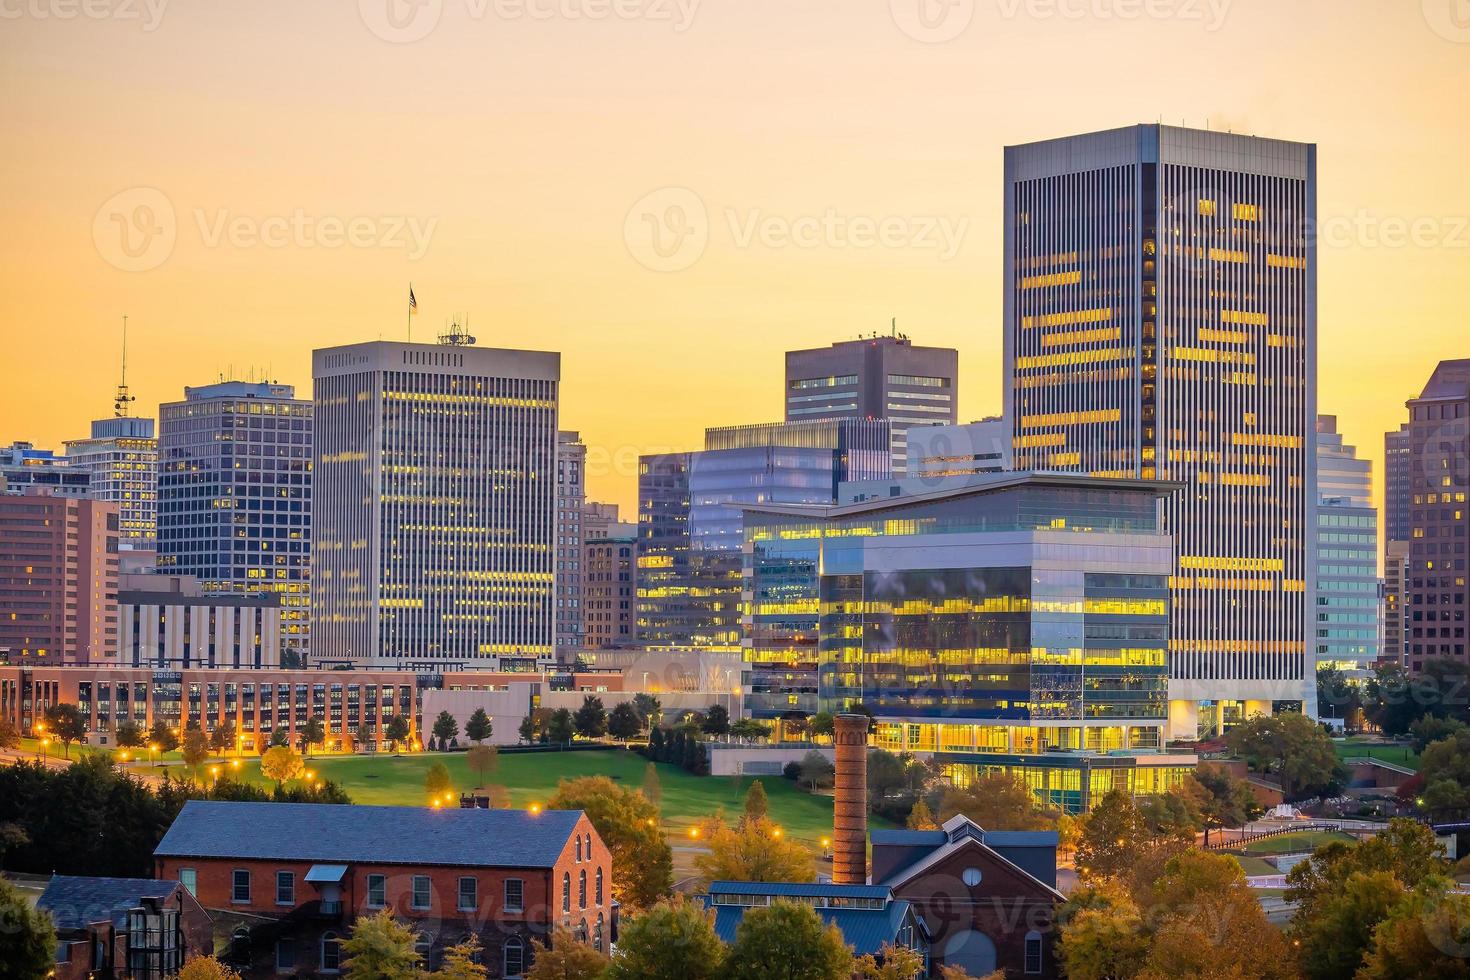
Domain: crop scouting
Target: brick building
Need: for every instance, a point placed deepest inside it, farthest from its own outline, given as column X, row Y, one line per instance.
column 287, row 881
column 124, row 928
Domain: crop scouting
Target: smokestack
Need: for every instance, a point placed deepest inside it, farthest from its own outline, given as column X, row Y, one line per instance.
column 850, row 809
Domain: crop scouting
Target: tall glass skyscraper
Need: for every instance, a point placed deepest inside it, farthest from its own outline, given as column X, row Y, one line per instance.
column 1161, row 321
column 435, row 530
column 1345, row 606
column 234, row 494
column 122, row 458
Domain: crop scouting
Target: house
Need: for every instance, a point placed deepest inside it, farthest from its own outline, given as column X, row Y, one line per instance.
column 987, row 898
column 124, row 928
column 289, row 880
column 868, row 916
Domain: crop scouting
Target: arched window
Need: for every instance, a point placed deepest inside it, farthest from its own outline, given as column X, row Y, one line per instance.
column 579, row 848
column 582, row 931
column 566, row 891
column 331, row 953
column 582, row 889
column 597, row 936
column 1033, row 952
column 513, row 957
column 599, row 886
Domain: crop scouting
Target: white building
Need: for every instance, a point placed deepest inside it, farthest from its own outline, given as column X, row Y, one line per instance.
column 121, row 457
column 167, row 622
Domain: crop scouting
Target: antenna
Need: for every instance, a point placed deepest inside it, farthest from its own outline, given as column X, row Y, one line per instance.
column 457, row 336
column 121, row 398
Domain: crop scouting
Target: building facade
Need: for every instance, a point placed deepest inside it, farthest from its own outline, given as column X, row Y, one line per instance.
column 938, row 452
column 58, row 578
column 167, row 622
column 234, row 495
column 23, row 466
column 1161, row 322
column 1397, row 492
column 667, row 612
column 571, row 499
column 435, row 528
column 1346, row 602
column 610, row 589
column 121, row 460
column 874, row 378
column 1439, row 477
column 1395, row 581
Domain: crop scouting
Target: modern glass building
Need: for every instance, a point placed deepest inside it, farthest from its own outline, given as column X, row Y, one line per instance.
column 1346, row 602
column 1020, row 622
column 435, row 537
column 122, row 458
column 571, row 499
column 1161, row 322
column 235, row 495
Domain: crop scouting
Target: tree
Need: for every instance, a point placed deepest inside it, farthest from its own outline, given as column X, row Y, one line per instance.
column 995, row 801
column 821, row 724
column 649, row 708
column 28, row 940
column 1337, row 696
column 652, row 789
column 483, row 760
column 1102, row 935
column 1396, row 698
column 445, row 728
column 162, row 736
column 281, row 763
column 534, row 726
column 567, row 958
column 196, row 748
column 752, row 850
column 921, row 817
column 313, row 732
column 672, row 941
column 1405, row 849
column 1424, row 938
column 127, row 735
column 1429, row 729
column 787, row 941
column 1293, row 747
column 816, row 770
column 757, row 806
column 479, row 727
column 1338, row 935
column 292, row 659
column 560, row 727
column 280, row 738
column 1445, row 769
column 749, row 730
column 437, row 781
column 591, row 718
column 1112, row 839
column 1228, row 801
column 716, row 720
column 223, row 736
column 623, row 721
column 66, row 725
column 462, row 962
column 206, row 968
column 891, row 963
column 642, row 864
column 381, row 948
column 396, row 732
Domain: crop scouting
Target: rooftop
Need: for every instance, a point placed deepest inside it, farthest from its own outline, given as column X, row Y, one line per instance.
column 75, row 903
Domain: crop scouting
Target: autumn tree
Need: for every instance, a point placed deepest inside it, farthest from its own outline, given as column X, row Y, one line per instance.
column 1112, row 839
column 196, row 748
column 996, row 801
column 752, row 850
column 483, row 760
column 787, row 941
column 281, row 763
column 1294, row 748
column 206, row 968
column 462, row 961
column 1102, row 934
column 566, row 958
column 1424, row 938
column 674, row 940
column 437, row 781
column 1338, row 935
column 757, row 806
column 27, row 940
column 627, row 821
column 381, row 948
column 921, row 817
column 890, row 963
column 653, row 789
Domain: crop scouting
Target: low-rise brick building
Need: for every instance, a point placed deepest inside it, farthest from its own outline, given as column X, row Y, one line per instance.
column 287, row 881
column 124, row 928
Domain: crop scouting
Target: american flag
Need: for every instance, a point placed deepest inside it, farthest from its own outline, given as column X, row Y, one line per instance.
column 413, row 303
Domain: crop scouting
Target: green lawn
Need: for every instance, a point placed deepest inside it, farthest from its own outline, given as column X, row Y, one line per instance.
column 1296, row 843
column 1254, row 866
column 532, row 778
column 1399, row 755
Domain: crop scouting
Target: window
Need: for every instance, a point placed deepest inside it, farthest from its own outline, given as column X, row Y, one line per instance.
column 579, row 848
column 377, row 891
column 1033, row 952
column 240, row 887
column 582, row 889
column 331, row 953
column 599, row 886
column 285, row 888
column 514, row 956
column 597, row 936
column 515, row 895
column 189, row 878
column 285, row 955
column 566, row 891
column 420, row 891
column 469, row 896
column 971, row 877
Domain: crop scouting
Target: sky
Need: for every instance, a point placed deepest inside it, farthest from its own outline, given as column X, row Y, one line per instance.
column 669, row 192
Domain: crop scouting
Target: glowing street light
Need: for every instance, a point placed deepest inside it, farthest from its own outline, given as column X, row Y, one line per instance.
column 535, row 808
column 694, row 832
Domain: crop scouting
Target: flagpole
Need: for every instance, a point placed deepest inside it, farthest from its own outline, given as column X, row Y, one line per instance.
column 410, row 314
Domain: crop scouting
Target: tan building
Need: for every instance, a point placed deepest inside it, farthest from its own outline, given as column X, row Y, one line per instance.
column 58, row 578
column 610, row 587
column 168, row 621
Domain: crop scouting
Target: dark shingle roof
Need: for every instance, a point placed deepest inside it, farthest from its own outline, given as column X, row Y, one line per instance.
column 369, row 834
column 74, row 903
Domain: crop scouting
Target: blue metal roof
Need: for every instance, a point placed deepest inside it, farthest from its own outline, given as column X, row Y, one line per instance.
column 1022, row 838
column 910, row 838
column 350, row 834
column 798, row 890
column 326, row 874
column 75, row 903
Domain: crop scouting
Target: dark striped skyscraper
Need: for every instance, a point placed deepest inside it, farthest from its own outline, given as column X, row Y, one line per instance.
column 1161, row 321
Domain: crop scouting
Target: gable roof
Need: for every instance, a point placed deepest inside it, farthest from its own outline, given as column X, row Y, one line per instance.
column 959, row 832
column 75, row 903
column 351, row 834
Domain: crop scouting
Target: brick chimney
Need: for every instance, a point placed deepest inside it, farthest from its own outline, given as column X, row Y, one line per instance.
column 850, row 809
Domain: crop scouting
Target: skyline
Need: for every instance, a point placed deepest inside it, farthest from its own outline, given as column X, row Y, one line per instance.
column 532, row 212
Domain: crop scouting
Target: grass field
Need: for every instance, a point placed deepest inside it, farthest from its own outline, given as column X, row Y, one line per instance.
column 1307, row 840
column 532, row 778
column 1254, row 866
column 1399, row 755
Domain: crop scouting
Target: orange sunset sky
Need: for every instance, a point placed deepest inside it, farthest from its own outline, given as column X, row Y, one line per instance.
column 242, row 144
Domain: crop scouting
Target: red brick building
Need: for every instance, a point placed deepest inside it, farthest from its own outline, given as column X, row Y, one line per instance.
column 287, row 881
column 124, row 928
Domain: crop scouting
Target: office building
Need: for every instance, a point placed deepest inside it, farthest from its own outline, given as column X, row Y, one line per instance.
column 1346, row 603
column 1396, row 483
column 600, row 520
column 168, row 623
column 1161, row 322
column 1439, row 447
column 23, row 466
column 436, row 507
column 666, row 612
column 571, row 498
column 121, row 460
column 942, row 451
column 874, row 378
column 1019, row 622
column 610, row 587
column 1395, row 580
column 58, row 578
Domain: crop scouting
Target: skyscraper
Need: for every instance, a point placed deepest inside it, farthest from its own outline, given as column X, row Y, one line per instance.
column 1345, row 604
column 571, row 496
column 874, row 378
column 234, row 495
column 1396, row 482
column 121, row 458
column 1435, row 595
column 1397, row 529
column 436, row 508
column 1161, row 321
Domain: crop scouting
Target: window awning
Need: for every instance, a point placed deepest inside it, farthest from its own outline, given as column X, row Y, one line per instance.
column 326, row 874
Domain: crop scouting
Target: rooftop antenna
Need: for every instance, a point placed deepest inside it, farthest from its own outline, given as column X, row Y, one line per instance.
column 122, row 399
column 457, row 336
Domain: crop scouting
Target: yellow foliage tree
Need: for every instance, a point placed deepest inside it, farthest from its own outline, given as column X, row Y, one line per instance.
column 281, row 763
column 753, row 850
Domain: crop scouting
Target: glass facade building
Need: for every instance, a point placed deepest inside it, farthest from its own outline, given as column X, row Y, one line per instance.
column 1022, row 614
column 235, row 495
column 436, row 479
column 122, row 459
column 1346, row 603
column 1161, row 321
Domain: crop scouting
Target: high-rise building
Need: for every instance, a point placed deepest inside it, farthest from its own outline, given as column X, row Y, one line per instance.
column 58, row 578
column 1346, row 601
column 1161, row 322
column 434, row 535
column 1435, row 595
column 598, row 520
column 1395, row 579
column 571, row 497
column 1396, row 482
column 234, row 495
column 167, row 622
column 610, row 586
column 667, row 613
column 23, row 466
column 121, row 459
column 874, row 378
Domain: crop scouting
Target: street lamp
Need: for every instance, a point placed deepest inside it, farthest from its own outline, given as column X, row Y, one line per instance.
column 153, row 751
